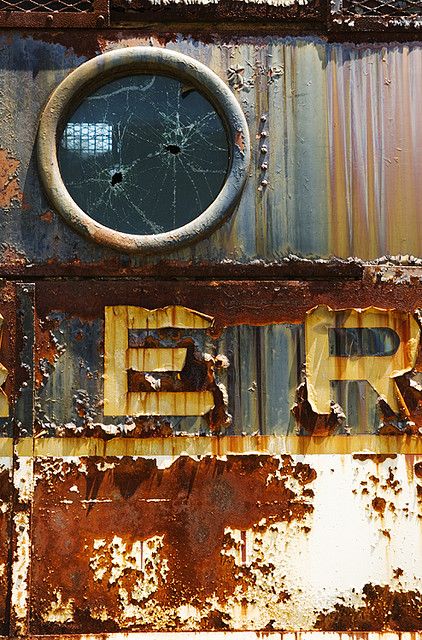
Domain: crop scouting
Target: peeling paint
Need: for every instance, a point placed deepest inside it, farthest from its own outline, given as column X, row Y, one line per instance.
column 10, row 190
column 20, row 572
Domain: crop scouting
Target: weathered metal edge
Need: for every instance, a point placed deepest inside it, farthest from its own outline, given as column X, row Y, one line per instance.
column 215, row 446
column 242, row 635
column 97, row 18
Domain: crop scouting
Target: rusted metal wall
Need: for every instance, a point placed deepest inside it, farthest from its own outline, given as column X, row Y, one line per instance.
column 259, row 515
column 156, row 523
column 341, row 136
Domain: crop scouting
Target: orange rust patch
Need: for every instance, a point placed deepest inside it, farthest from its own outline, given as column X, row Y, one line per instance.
column 383, row 610
column 379, row 504
column 10, row 190
column 418, row 469
column 190, row 504
column 47, row 216
column 378, row 458
column 239, row 141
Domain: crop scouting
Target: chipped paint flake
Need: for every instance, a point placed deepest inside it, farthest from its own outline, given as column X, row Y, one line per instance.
column 23, row 478
column 138, row 564
column 59, row 610
column 10, row 191
column 20, row 572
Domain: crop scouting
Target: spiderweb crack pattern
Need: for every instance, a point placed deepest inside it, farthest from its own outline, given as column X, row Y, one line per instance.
column 144, row 154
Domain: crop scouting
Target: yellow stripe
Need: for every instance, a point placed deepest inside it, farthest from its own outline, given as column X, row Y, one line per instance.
column 6, row 447
column 192, row 445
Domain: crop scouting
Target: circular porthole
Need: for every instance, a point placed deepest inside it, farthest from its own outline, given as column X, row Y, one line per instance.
column 143, row 149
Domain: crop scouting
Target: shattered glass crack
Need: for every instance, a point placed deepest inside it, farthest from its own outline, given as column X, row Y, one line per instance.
column 144, row 154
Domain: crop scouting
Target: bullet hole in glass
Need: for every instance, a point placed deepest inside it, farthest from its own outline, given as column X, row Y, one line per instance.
column 116, row 178
column 173, row 148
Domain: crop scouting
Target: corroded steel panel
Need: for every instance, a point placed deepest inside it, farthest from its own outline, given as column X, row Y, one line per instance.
column 241, row 542
column 53, row 13
column 6, row 492
column 16, row 342
column 338, row 124
column 133, row 524
column 242, row 371
column 165, row 460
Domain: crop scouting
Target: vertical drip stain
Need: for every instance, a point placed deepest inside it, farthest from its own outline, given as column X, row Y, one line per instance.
column 375, row 156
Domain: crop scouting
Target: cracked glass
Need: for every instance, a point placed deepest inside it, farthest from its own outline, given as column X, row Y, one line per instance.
column 144, row 154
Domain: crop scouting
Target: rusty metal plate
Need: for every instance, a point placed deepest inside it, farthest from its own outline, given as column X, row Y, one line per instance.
column 53, row 13
column 16, row 360
column 376, row 15
column 140, row 524
column 173, row 543
column 222, row 358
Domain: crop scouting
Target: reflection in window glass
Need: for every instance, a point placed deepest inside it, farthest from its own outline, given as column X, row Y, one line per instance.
column 363, row 341
column 144, row 154
column 87, row 138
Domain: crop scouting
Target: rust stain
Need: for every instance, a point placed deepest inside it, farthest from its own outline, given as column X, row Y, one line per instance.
column 10, row 191
column 316, row 424
column 383, row 609
column 180, row 515
column 377, row 458
column 418, row 469
column 5, row 517
column 47, row 216
column 379, row 504
column 230, row 302
column 46, row 350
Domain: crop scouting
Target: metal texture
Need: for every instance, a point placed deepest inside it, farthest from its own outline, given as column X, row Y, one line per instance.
column 341, row 168
column 118, row 530
column 259, row 515
column 53, row 13
column 137, row 526
column 367, row 15
column 250, row 361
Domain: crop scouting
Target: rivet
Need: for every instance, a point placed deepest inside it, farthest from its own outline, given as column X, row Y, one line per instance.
column 49, row 19
column 100, row 20
column 264, row 134
column 264, row 149
column 264, row 166
column 264, row 183
column 263, row 118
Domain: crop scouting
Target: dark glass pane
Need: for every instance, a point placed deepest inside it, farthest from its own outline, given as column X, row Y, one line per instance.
column 363, row 341
column 144, row 154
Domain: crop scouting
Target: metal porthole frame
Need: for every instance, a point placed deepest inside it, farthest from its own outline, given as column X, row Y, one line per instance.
column 106, row 68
